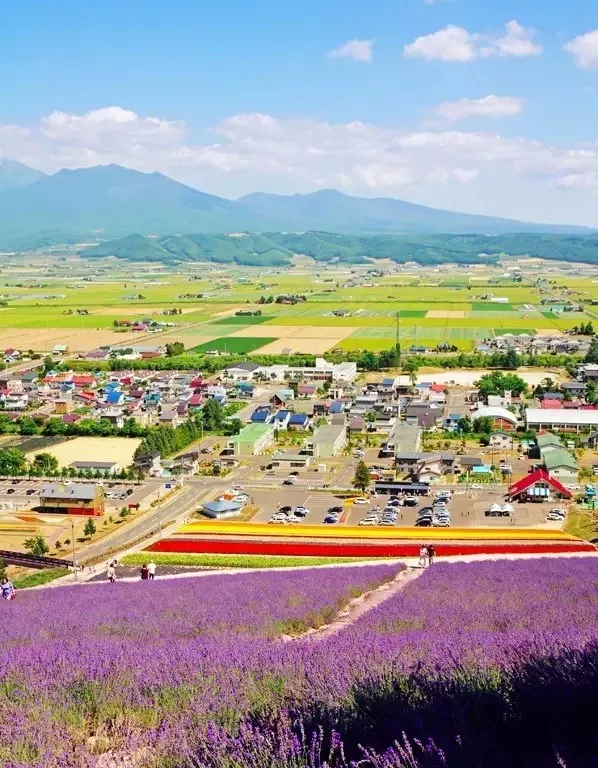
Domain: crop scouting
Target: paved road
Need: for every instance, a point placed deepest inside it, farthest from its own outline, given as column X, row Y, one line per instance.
column 180, row 506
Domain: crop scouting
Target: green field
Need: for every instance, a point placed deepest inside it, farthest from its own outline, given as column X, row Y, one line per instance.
column 245, row 320
column 234, row 346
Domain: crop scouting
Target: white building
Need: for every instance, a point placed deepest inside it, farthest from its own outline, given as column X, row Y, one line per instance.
column 570, row 420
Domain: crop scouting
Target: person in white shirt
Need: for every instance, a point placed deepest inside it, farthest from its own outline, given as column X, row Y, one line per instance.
column 152, row 570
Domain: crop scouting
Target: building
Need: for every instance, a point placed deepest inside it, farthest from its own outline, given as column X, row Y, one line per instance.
column 252, row 440
column 242, row 371
column 403, row 438
column 74, row 499
column 537, row 486
column 105, row 467
column 501, row 440
column 290, row 460
column 220, row 510
column 502, row 418
column 299, row 421
column 329, row 441
column 560, row 464
column 566, row 420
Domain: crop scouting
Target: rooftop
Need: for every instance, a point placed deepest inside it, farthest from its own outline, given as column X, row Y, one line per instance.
column 75, row 491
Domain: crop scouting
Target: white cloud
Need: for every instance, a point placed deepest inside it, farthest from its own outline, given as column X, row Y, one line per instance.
column 260, row 151
column 584, row 50
column 488, row 106
column 358, row 50
column 454, row 43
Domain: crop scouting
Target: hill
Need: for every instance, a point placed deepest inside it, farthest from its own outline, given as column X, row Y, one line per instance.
column 277, row 248
column 14, row 175
column 116, row 200
column 337, row 212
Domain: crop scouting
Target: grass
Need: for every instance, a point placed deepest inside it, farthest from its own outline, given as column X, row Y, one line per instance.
column 550, row 315
column 580, row 523
column 234, row 345
column 491, row 307
column 232, row 561
column 243, row 320
column 39, row 578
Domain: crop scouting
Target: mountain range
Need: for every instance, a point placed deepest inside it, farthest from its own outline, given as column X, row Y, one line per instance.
column 113, row 201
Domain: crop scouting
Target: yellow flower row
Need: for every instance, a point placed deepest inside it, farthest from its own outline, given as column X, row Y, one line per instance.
column 352, row 532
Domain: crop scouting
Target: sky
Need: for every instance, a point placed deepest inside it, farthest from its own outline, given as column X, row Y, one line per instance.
column 470, row 105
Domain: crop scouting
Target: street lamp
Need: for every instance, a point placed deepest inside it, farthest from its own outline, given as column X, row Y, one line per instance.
column 73, row 543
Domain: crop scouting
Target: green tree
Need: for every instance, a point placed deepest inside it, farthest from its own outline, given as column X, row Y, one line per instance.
column 362, row 476
column 37, row 546
column 497, row 383
column 464, row 425
column 90, row 528
column 410, row 367
column 45, row 464
column 175, row 348
column 212, row 415
column 483, row 425
column 27, row 426
column 2, row 569
column 592, row 353
column 511, row 360
column 12, row 462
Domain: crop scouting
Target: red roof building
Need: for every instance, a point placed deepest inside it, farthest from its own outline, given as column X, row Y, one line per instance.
column 80, row 380
column 551, row 405
column 438, row 388
column 537, row 485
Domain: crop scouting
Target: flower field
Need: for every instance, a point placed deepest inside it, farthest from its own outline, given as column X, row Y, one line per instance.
column 480, row 665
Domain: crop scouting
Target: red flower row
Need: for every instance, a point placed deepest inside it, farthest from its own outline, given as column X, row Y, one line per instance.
column 317, row 549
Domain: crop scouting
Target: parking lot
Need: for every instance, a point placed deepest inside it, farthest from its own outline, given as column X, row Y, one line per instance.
column 467, row 509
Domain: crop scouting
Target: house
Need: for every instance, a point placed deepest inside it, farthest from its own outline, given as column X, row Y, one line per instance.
column 306, row 390
column 13, row 401
column 97, row 354
column 261, row 416
column 11, row 354
column 495, row 401
column 187, row 463
column 150, row 463
column 560, row 464
column 356, row 424
column 469, row 463
column 114, row 397
column 329, row 441
column 588, row 372
column 103, row 467
column 407, row 461
column 281, row 397
column 537, row 486
column 281, row 419
column 168, row 417
column 252, row 440
column 63, row 405
column 575, row 388
column 502, row 418
column 422, row 414
column 404, row 437
column 60, row 349
column 501, row 440
column 74, row 499
column 115, row 416
column 299, row 421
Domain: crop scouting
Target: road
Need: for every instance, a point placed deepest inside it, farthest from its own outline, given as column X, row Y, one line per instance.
column 185, row 502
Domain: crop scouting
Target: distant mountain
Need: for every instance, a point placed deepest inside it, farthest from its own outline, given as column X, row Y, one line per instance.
column 111, row 201
column 115, row 200
column 336, row 212
column 14, row 174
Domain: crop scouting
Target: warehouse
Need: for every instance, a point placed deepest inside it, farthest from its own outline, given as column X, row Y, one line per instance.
column 252, row 440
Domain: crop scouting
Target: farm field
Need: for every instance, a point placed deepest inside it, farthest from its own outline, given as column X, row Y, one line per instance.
column 204, row 670
column 76, row 303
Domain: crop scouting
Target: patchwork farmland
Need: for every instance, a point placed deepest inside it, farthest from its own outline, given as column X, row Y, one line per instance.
column 240, row 310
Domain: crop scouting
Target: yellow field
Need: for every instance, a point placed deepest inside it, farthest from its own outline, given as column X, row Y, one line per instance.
column 77, row 341
column 446, row 314
column 354, row 532
column 118, row 449
column 298, row 331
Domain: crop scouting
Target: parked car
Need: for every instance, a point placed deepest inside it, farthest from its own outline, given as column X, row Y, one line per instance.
column 301, row 511
column 289, row 481
column 424, row 522
column 410, row 501
column 335, row 511
column 361, row 500
column 286, row 510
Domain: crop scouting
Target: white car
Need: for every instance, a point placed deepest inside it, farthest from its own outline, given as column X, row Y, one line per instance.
column 242, row 498
column 292, row 520
column 361, row 501
column 365, row 521
column 443, row 522
column 301, row 511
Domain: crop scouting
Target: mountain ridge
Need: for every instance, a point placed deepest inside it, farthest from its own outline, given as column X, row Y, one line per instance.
column 115, row 201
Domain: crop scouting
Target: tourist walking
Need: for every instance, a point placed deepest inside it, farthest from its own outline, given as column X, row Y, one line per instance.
column 144, row 572
column 423, row 556
column 431, row 554
column 111, row 573
column 8, row 590
column 151, row 570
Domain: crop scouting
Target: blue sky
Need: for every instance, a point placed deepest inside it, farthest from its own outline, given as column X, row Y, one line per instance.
column 467, row 104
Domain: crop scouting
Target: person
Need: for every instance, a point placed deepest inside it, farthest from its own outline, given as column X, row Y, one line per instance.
column 8, row 590
column 431, row 554
column 423, row 556
column 151, row 568
column 144, row 572
column 111, row 574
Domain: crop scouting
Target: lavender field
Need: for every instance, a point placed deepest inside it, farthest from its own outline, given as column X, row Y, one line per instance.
column 482, row 664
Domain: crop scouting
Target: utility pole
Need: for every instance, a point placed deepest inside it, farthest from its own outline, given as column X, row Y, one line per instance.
column 73, row 543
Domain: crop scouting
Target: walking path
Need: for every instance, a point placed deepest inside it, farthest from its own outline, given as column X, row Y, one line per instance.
column 358, row 607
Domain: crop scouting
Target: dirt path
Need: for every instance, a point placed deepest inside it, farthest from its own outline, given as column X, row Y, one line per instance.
column 358, row 607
